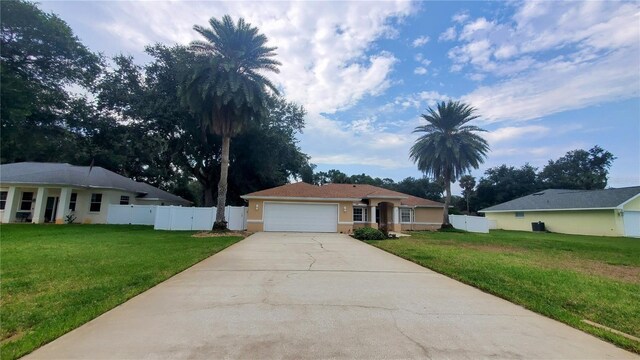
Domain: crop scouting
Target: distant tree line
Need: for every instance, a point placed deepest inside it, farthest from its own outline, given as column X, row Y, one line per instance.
column 577, row 169
column 420, row 187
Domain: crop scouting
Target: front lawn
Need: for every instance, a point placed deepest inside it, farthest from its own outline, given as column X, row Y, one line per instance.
column 57, row 277
column 565, row 277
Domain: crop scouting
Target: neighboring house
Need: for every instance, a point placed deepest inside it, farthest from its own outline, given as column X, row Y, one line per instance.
column 339, row 208
column 48, row 192
column 609, row 212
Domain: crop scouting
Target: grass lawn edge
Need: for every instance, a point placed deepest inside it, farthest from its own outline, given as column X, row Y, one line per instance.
column 21, row 354
column 601, row 334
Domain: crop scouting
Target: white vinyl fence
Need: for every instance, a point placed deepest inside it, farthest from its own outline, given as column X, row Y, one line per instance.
column 175, row 217
column 470, row 223
column 131, row 214
column 194, row 218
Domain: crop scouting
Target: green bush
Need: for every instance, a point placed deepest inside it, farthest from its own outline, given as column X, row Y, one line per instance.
column 367, row 233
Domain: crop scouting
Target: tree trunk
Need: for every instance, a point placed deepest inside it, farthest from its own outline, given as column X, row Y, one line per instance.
column 222, row 185
column 208, row 196
column 467, row 204
column 447, row 201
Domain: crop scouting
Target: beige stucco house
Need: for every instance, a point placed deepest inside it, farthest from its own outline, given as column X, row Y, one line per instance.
column 48, row 192
column 608, row 212
column 339, row 208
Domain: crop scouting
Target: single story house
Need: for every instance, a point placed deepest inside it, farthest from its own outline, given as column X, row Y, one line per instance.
column 48, row 192
column 339, row 208
column 608, row 212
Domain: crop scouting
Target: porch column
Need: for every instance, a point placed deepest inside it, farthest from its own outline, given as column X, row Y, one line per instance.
column 396, row 218
column 11, row 206
column 63, row 204
column 372, row 217
column 41, row 202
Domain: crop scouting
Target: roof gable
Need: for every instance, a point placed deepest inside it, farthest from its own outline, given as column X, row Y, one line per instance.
column 339, row 191
column 559, row 199
column 34, row 173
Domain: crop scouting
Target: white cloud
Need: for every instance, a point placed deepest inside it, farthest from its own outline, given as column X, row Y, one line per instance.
column 559, row 88
column 551, row 57
column 421, row 41
column 420, row 71
column 510, row 133
column 346, row 159
column 448, row 35
column 460, row 17
column 477, row 77
column 479, row 25
column 419, row 100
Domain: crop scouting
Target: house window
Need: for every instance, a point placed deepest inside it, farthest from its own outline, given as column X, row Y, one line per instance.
column 124, row 200
column 72, row 201
column 27, row 199
column 519, row 214
column 406, row 215
column 96, row 201
column 359, row 214
column 3, row 199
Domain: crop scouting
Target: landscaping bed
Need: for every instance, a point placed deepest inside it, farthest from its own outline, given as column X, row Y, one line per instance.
column 569, row 278
column 57, row 277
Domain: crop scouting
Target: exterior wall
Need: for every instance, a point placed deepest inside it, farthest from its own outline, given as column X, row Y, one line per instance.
column 424, row 219
column 83, row 200
column 633, row 205
column 583, row 222
column 256, row 206
column 419, row 227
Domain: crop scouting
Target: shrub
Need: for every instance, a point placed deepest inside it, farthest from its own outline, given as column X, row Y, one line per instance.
column 367, row 233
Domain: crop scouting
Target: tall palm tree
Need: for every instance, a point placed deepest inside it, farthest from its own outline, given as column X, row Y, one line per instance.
column 449, row 146
column 226, row 87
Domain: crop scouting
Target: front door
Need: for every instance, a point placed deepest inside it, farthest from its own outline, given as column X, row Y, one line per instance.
column 51, row 209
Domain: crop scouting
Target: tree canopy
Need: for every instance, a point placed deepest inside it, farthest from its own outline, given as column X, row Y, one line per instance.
column 578, row 169
column 40, row 59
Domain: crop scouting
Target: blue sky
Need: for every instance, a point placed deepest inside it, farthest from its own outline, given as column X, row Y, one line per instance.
column 546, row 77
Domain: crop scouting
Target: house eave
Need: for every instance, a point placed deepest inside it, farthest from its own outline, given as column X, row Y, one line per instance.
column 542, row 210
column 299, row 198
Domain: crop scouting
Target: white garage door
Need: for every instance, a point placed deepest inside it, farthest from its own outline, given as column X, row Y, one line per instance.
column 632, row 223
column 301, row 217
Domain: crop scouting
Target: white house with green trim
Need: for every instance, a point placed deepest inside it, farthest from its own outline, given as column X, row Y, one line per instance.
column 49, row 192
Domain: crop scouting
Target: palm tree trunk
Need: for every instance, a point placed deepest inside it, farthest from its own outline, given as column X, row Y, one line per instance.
column 222, row 185
column 447, row 201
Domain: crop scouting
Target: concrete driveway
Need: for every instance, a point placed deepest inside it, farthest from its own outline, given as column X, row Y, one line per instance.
column 320, row 296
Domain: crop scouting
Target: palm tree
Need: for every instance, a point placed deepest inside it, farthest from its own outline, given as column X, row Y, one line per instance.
column 449, row 146
column 226, row 88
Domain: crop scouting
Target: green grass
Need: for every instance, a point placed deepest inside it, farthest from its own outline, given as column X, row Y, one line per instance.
column 565, row 277
column 57, row 277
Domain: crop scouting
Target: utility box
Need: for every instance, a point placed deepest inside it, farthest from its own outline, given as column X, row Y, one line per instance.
column 537, row 226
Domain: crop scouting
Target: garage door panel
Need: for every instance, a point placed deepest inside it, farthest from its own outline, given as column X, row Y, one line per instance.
column 300, row 217
column 631, row 223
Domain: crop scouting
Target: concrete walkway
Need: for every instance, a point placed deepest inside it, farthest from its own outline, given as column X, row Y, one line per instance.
column 319, row 296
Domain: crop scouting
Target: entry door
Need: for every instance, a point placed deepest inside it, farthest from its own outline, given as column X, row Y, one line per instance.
column 300, row 217
column 51, row 209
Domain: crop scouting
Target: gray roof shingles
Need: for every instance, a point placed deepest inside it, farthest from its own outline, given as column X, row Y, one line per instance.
column 79, row 176
column 558, row 199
